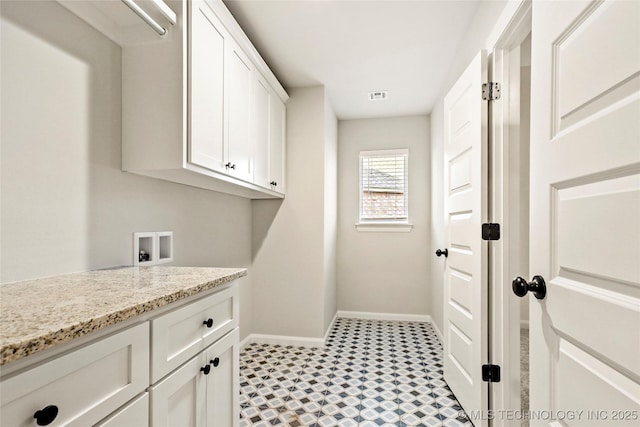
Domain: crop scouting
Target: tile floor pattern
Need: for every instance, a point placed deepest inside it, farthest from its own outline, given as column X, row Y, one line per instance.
column 371, row 373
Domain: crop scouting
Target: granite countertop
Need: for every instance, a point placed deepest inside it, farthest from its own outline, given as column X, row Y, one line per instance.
column 38, row 314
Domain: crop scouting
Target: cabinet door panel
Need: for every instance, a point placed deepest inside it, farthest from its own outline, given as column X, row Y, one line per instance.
column 179, row 399
column 239, row 74
column 277, row 142
column 223, row 382
column 206, row 95
column 260, row 125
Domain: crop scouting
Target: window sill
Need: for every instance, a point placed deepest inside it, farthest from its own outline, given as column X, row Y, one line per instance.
column 384, row 227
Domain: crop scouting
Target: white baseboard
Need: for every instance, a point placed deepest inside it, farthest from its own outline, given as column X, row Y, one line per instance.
column 287, row 340
column 385, row 316
column 246, row 341
column 333, row 322
column 438, row 332
column 319, row 342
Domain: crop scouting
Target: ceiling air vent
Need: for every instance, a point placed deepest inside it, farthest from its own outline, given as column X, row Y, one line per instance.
column 379, row 95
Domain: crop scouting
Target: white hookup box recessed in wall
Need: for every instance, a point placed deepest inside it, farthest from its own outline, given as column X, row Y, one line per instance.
column 152, row 247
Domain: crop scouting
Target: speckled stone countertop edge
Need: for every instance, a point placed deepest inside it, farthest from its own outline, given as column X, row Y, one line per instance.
column 16, row 350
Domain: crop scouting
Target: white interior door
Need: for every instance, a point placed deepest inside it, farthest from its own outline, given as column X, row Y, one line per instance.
column 466, row 179
column 585, row 211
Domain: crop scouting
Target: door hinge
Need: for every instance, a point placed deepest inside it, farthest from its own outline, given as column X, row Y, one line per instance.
column 490, row 231
column 490, row 91
column 491, row 373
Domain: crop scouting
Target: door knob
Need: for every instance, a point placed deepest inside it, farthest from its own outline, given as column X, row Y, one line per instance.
column 536, row 286
column 444, row 252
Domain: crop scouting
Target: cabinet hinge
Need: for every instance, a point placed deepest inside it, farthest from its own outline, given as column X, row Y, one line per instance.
column 490, row 231
column 490, row 91
column 491, row 373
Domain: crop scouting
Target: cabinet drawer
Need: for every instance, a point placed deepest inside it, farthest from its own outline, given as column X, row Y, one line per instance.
column 179, row 335
column 135, row 413
column 85, row 385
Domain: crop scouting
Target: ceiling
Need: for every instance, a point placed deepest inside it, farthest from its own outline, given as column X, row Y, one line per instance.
column 354, row 47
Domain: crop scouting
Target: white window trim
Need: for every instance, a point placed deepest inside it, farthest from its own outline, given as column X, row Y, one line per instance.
column 384, row 227
column 381, row 225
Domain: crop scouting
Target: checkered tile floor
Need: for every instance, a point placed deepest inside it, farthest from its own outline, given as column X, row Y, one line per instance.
column 371, row 373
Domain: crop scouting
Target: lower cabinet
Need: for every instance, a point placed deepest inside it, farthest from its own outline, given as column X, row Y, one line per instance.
column 203, row 391
column 107, row 382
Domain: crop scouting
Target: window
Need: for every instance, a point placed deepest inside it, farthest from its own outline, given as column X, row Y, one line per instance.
column 383, row 186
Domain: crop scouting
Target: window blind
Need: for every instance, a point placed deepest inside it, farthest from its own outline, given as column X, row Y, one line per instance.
column 383, row 185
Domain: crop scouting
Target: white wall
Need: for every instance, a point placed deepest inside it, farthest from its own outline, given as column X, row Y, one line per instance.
column 477, row 38
column 384, row 272
column 292, row 239
column 330, row 215
column 66, row 205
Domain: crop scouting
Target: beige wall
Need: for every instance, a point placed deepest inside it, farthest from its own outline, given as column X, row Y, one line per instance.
column 292, row 238
column 475, row 40
column 384, row 272
column 66, row 206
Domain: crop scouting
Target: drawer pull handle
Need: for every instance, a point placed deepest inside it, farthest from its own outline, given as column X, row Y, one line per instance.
column 206, row 369
column 215, row 362
column 208, row 322
column 45, row 416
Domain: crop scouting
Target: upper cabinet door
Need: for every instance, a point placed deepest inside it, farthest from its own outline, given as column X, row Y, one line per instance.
column 277, row 143
column 207, row 41
column 239, row 76
column 260, row 129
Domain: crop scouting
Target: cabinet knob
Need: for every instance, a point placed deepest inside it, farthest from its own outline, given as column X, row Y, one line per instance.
column 208, row 322
column 46, row 415
column 275, row 184
column 215, row 362
column 206, row 369
column 230, row 165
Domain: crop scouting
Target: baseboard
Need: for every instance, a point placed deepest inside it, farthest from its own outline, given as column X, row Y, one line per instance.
column 437, row 330
column 246, row 341
column 287, row 340
column 319, row 342
column 385, row 316
column 333, row 322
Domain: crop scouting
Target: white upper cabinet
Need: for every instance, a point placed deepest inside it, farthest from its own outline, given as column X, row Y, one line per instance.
column 277, row 141
column 260, row 128
column 206, row 98
column 238, row 89
column 196, row 106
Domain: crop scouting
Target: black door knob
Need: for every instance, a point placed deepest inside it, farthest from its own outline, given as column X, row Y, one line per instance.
column 206, row 369
column 215, row 362
column 46, row 415
column 444, row 252
column 537, row 286
column 208, row 322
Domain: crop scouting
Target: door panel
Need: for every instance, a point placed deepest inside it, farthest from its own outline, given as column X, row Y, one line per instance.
column 206, row 94
column 239, row 76
column 260, row 128
column 585, row 200
column 465, row 313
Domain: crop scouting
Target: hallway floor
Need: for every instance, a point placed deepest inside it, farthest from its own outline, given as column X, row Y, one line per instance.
column 371, row 373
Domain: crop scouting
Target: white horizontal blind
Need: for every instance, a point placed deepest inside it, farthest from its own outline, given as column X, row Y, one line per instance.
column 383, row 185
